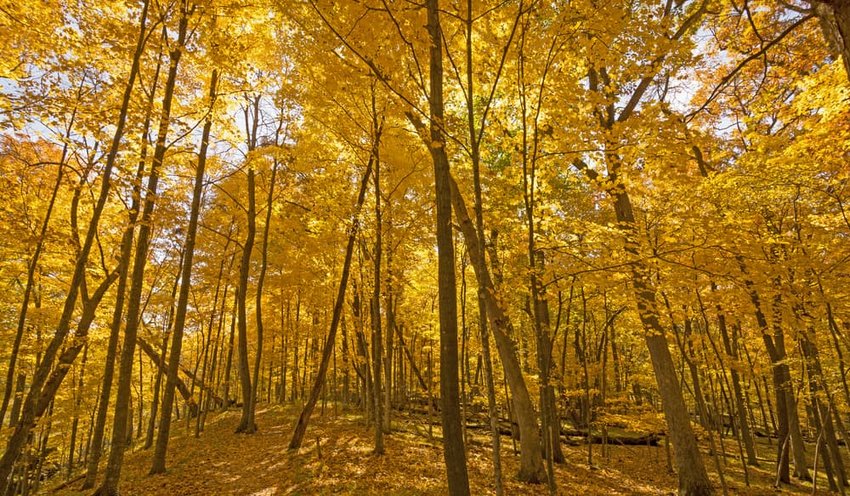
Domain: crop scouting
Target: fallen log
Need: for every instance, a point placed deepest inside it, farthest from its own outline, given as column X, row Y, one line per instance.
column 157, row 360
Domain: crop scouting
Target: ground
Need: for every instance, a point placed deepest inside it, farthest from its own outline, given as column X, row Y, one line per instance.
column 337, row 458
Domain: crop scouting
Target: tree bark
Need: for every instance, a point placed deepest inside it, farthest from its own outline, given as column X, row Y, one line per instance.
column 78, row 397
column 310, row 405
column 158, row 464
column 693, row 478
column 229, row 365
column 732, row 352
column 246, row 422
column 834, row 16
column 43, row 373
column 162, row 368
column 453, row 448
column 260, row 282
column 133, row 319
column 531, row 460
column 126, row 252
column 377, row 342
column 157, row 393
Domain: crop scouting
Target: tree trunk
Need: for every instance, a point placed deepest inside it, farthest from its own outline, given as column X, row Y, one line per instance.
column 388, row 357
column 161, row 447
column 246, row 422
column 531, row 459
column 377, row 342
column 693, row 478
column 157, row 389
column 732, row 352
column 43, row 373
column 260, row 282
column 229, row 366
column 835, row 22
column 818, row 388
column 125, row 371
column 31, row 268
column 453, row 448
column 779, row 371
column 76, row 414
column 20, row 387
column 310, row 405
column 38, row 400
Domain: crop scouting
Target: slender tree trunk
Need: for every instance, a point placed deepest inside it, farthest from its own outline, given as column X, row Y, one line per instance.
column 310, row 405
column 539, row 311
column 780, row 386
column 217, row 356
column 149, row 436
column 43, row 373
column 818, row 388
column 377, row 342
column 388, row 358
column 157, row 390
column 31, row 268
column 246, row 422
column 41, row 452
column 229, row 366
column 732, row 352
column 801, row 468
column 38, row 401
column 285, row 324
column 161, row 447
column 78, row 397
column 20, row 387
column 260, row 282
column 531, row 460
column 125, row 371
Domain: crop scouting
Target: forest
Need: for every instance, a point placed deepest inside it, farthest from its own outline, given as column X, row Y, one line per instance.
column 424, row 247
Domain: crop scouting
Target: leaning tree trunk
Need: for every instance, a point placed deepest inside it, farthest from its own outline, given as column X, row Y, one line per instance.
column 31, row 268
column 158, row 464
column 134, row 304
column 310, row 405
column 126, row 252
column 475, row 155
column 693, row 478
column 43, row 373
column 531, row 459
column 38, row 400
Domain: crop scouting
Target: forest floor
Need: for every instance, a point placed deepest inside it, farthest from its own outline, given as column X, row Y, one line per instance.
column 221, row 462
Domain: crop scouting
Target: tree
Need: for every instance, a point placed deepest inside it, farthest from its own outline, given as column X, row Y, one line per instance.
column 158, row 465
column 453, row 450
column 35, row 404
